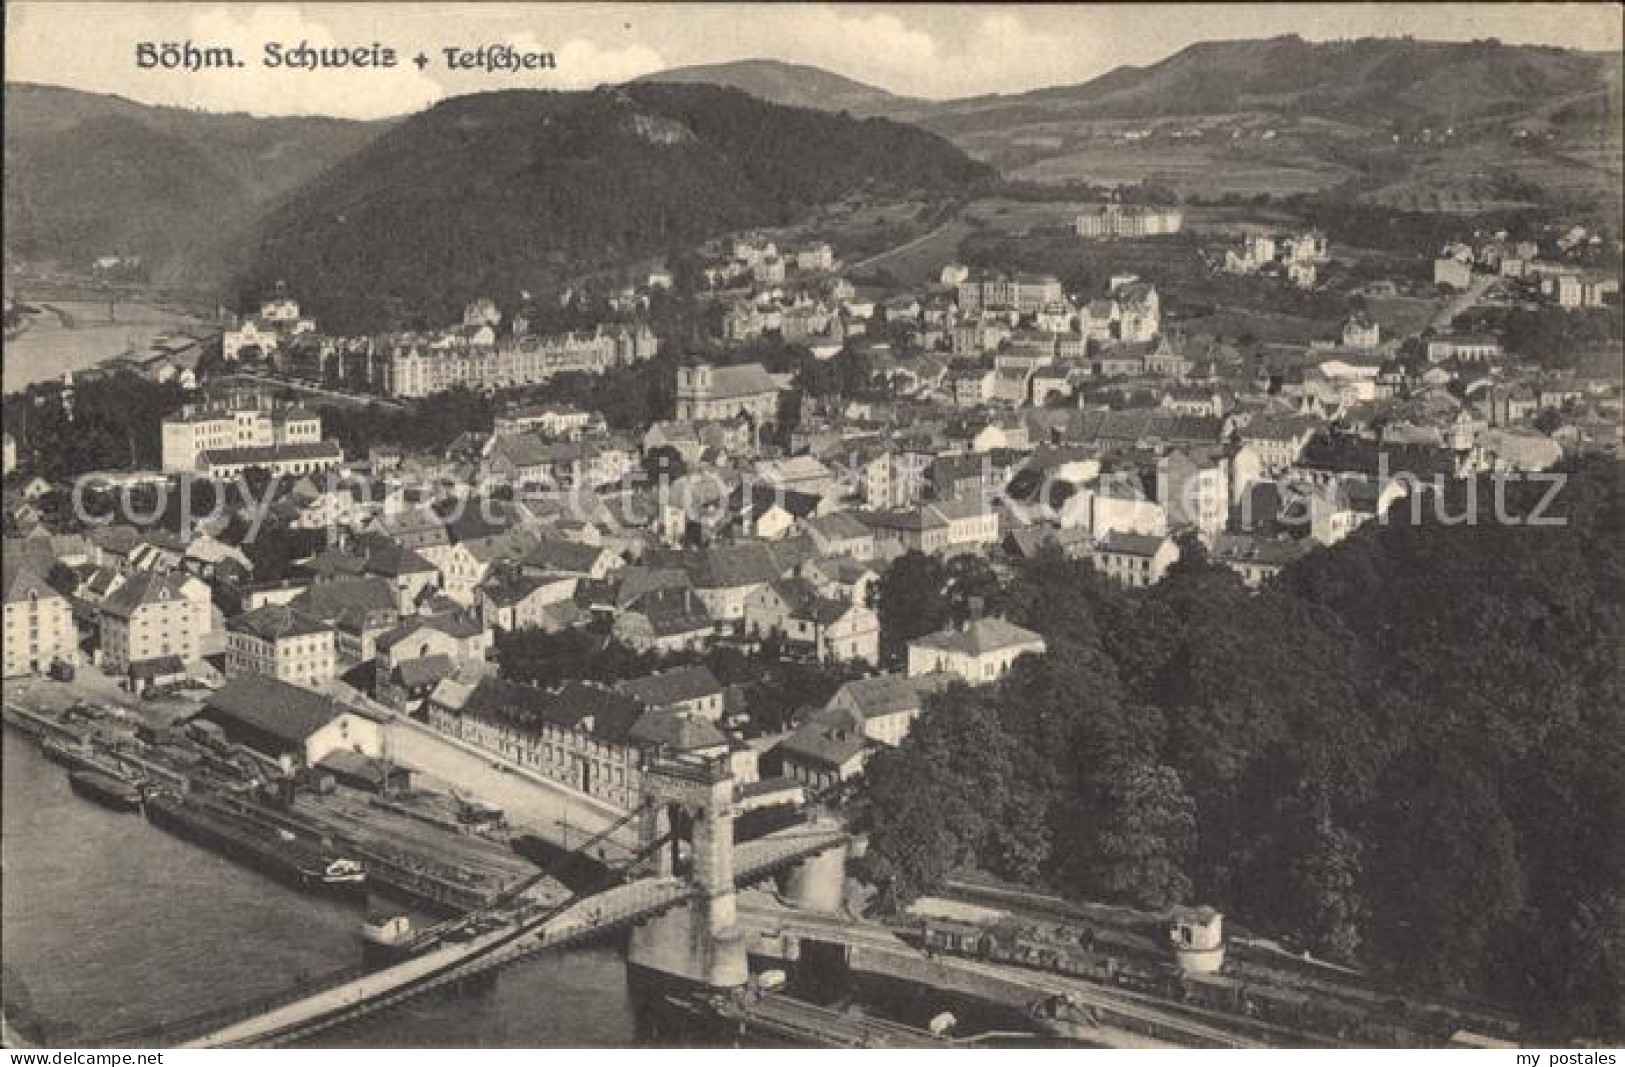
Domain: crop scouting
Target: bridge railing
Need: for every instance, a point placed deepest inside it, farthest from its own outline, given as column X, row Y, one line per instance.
column 174, row 1031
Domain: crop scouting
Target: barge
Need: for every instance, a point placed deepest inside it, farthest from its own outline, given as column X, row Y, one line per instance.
column 70, row 754
column 105, row 789
column 280, row 854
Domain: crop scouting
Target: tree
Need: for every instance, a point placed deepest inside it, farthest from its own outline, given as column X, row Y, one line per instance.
column 1595, row 987
column 1326, row 881
column 1060, row 597
column 536, row 657
column 910, row 601
column 1146, row 834
column 274, row 550
column 854, row 372
column 936, row 798
column 427, row 425
column 970, row 584
column 663, row 465
column 1445, row 880
column 108, row 424
column 1406, row 752
column 1065, row 714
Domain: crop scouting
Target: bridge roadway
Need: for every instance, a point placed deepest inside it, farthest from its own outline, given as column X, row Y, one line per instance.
column 534, row 928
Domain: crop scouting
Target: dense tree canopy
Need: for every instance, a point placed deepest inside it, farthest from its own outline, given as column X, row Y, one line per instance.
column 109, row 423
column 1550, row 337
column 527, row 189
column 427, row 425
column 1409, row 752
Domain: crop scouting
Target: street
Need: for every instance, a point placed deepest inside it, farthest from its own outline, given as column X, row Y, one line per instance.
column 1462, row 301
column 530, row 802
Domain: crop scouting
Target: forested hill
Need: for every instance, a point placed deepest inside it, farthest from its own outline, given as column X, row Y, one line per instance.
column 1373, row 82
column 1409, row 752
column 91, row 175
column 495, row 193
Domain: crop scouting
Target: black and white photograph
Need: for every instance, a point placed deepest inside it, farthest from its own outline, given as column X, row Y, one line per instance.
column 733, row 526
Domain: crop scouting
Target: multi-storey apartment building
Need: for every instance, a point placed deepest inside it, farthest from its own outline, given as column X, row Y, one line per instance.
column 1127, row 220
column 279, row 642
column 243, row 422
column 1193, row 487
column 39, row 628
column 147, row 618
column 585, row 736
column 419, row 369
column 1026, row 293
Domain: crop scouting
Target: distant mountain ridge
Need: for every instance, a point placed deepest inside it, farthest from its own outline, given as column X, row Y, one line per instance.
column 1364, row 82
column 198, row 196
column 793, row 85
column 1422, row 125
column 1367, row 80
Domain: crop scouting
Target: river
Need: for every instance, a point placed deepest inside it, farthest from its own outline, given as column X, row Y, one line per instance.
column 108, row 924
column 84, row 334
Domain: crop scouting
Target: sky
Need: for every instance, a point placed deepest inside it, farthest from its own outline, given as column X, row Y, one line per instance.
column 936, row 51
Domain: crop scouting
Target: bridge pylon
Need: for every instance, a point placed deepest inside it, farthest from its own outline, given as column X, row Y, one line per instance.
column 818, row 883
column 690, row 802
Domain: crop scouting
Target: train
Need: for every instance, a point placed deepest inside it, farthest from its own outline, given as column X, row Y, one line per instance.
column 1249, row 994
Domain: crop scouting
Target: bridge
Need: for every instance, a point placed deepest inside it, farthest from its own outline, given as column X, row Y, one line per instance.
column 681, row 909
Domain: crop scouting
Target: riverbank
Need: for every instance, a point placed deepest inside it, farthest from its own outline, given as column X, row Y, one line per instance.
column 77, row 335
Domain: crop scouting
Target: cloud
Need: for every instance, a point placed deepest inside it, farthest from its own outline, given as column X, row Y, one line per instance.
column 886, row 49
column 580, row 64
column 1009, row 55
column 938, row 52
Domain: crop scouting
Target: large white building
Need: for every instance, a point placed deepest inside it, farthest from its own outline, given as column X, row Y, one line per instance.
column 279, row 318
column 289, row 460
column 477, row 361
column 980, row 652
column 241, row 423
column 39, row 626
column 150, row 617
column 707, row 393
column 287, row 722
column 1127, row 220
column 588, row 737
column 1025, row 293
column 278, row 642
